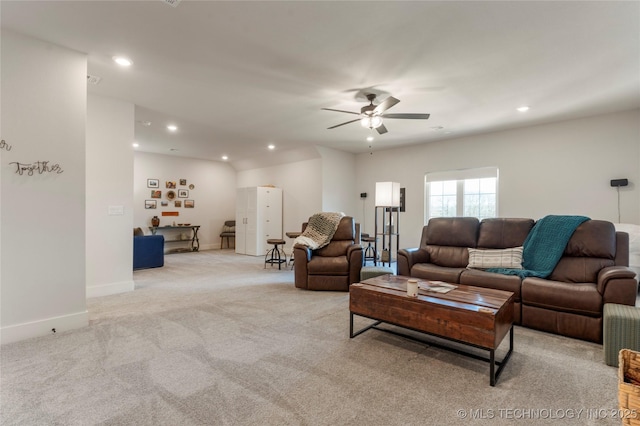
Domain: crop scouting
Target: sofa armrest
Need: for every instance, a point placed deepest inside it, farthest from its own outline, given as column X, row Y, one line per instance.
column 617, row 284
column 410, row 256
column 355, row 257
column 302, row 256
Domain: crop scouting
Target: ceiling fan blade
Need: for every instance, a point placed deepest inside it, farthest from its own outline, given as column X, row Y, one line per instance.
column 340, row 110
column 381, row 129
column 411, row 116
column 342, row 124
column 385, row 105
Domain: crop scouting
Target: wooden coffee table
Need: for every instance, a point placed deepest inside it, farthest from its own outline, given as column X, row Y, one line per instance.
column 476, row 316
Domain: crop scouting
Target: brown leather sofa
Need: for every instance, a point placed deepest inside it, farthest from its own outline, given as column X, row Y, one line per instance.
column 333, row 267
column 593, row 271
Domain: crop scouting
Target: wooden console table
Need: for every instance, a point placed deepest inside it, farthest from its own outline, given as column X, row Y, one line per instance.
column 194, row 243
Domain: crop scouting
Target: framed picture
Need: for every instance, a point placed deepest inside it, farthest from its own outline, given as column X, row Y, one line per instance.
column 150, row 204
column 156, row 194
column 183, row 182
column 177, row 203
column 189, row 204
column 183, row 193
column 164, row 203
column 153, row 183
column 171, row 184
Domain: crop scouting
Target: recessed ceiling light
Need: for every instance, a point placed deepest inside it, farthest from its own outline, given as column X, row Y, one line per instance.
column 136, row 144
column 523, row 108
column 369, row 138
column 271, row 146
column 436, row 128
column 225, row 158
column 122, row 61
column 172, row 127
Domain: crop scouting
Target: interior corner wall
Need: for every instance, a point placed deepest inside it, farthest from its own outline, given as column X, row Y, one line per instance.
column 109, row 215
column 43, row 116
column 213, row 193
column 301, row 184
column 339, row 182
column 558, row 168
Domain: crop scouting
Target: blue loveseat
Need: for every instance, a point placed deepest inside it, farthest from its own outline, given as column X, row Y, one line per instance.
column 148, row 251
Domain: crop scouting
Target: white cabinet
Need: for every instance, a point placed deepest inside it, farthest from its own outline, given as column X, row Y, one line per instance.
column 258, row 218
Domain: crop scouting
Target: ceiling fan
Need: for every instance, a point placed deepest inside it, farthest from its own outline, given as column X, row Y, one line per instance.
column 371, row 115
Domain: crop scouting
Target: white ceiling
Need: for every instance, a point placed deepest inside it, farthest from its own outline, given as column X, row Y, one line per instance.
column 238, row 75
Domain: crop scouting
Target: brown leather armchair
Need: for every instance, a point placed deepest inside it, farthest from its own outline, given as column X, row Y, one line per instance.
column 333, row 267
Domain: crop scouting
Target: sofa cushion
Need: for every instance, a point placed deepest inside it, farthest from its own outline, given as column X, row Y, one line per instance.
column 451, row 231
column 593, row 238
column 334, row 248
column 500, row 233
column 454, row 257
column 591, row 248
column 579, row 269
column 429, row 271
column 485, row 279
column 575, row 298
column 319, row 265
column 510, row 258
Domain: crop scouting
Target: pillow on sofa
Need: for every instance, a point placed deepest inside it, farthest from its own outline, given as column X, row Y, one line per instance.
column 510, row 258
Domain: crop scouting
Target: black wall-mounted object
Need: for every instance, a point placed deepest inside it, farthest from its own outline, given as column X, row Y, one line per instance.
column 363, row 195
column 619, row 182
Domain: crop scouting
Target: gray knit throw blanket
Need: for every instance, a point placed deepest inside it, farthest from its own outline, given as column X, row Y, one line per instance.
column 319, row 230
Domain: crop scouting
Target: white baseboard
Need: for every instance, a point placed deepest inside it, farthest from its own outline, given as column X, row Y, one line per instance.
column 109, row 289
column 15, row 333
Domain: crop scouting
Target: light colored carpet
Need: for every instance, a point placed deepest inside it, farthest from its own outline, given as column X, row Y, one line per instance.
column 212, row 338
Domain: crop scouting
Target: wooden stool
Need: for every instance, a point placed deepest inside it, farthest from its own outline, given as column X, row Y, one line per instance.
column 369, row 251
column 275, row 255
column 292, row 235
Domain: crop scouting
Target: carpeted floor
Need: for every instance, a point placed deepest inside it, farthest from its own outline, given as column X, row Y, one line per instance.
column 212, row 338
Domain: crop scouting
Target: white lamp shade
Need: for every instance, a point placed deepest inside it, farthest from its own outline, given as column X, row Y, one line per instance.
column 387, row 194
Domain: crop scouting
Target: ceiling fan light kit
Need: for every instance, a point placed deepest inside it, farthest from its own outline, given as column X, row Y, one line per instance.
column 371, row 122
column 372, row 115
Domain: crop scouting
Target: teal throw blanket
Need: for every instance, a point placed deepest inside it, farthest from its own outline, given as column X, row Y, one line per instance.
column 543, row 247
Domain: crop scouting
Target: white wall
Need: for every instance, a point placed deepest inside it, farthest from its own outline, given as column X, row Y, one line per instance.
column 559, row 168
column 301, row 184
column 214, row 194
column 43, row 113
column 109, row 193
column 339, row 181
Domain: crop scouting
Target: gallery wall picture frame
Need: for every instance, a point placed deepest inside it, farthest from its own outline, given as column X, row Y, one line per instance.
column 150, row 204
column 171, row 195
column 156, row 193
column 183, row 182
column 189, row 204
column 183, row 193
column 153, row 183
column 170, row 184
column 164, row 203
column 177, row 203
